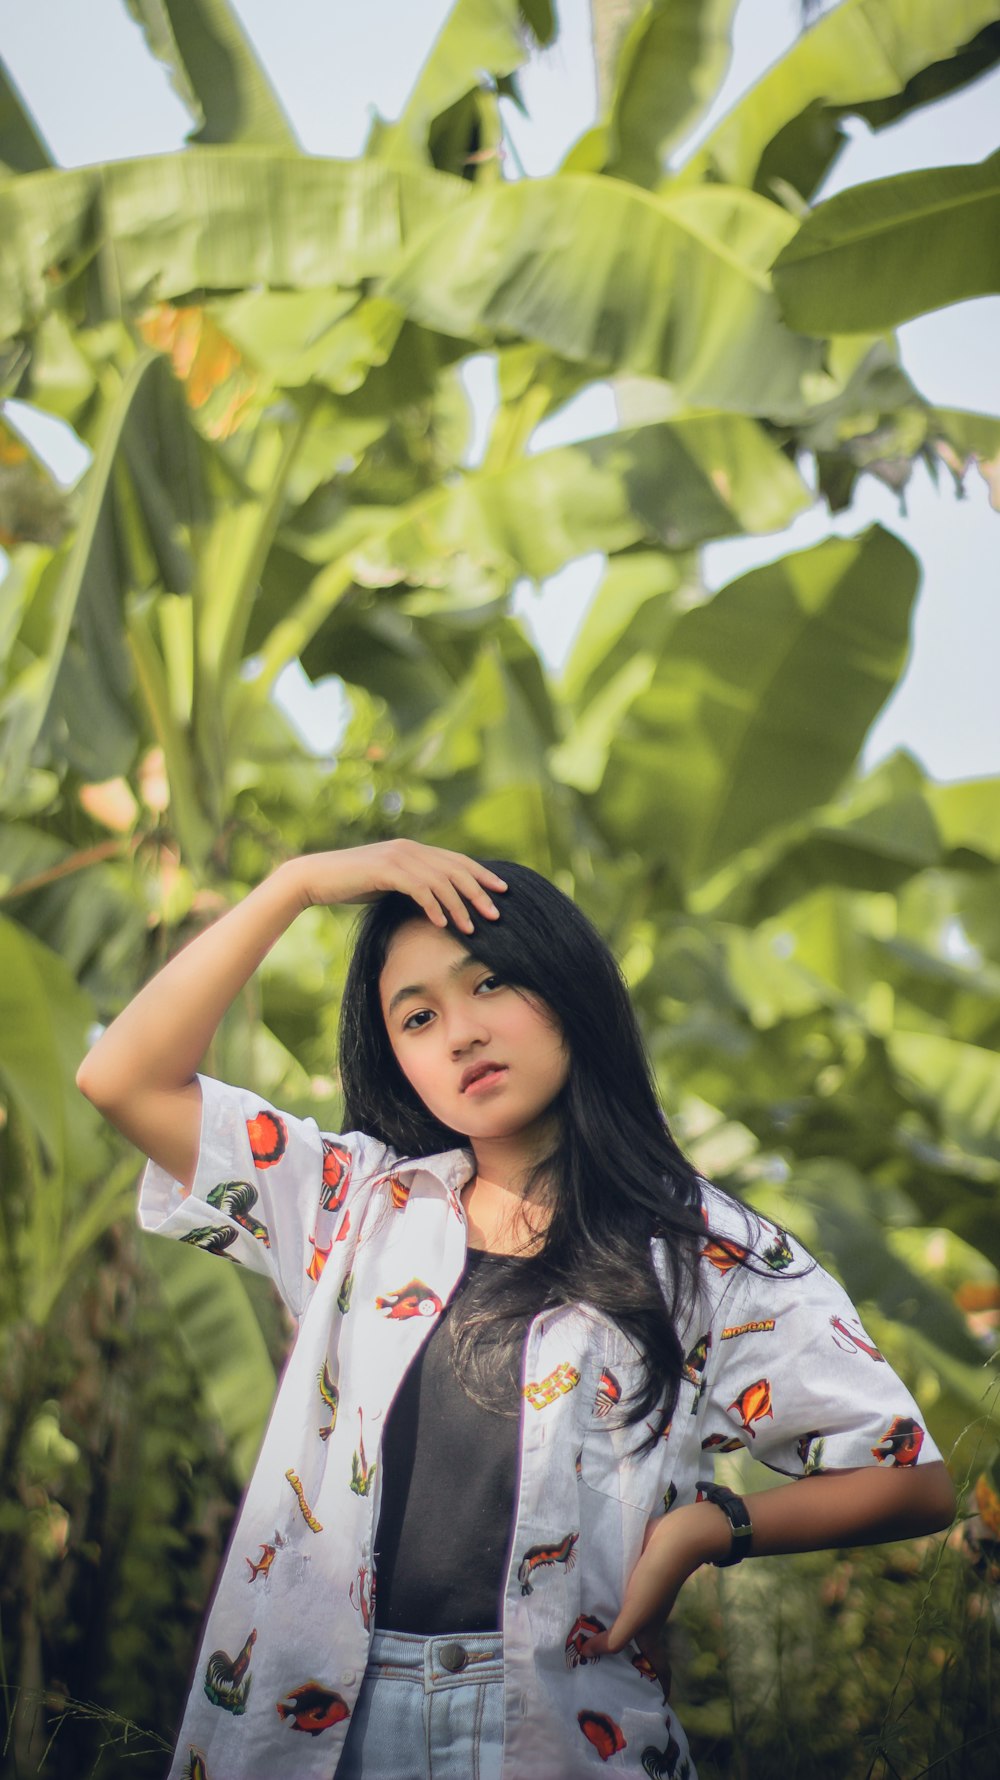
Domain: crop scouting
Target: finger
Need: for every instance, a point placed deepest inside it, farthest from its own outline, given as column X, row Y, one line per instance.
column 475, row 894
column 453, row 903
column 605, row 1643
column 426, row 900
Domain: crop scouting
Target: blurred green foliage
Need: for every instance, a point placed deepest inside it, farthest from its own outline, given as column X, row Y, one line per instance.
column 263, row 353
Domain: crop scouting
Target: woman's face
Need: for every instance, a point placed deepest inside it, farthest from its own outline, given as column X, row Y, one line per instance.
column 487, row 1060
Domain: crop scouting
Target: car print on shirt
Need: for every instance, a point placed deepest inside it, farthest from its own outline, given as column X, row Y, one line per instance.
column 313, row 1708
column 538, row 1557
column 268, row 1138
column 901, row 1442
column 753, row 1404
column 602, row 1732
column 228, row 1679
column 413, row 1299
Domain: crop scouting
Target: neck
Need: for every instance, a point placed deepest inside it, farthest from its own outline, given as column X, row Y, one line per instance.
column 500, row 1217
column 506, row 1163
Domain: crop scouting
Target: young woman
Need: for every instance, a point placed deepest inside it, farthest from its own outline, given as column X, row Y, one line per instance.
column 524, row 1327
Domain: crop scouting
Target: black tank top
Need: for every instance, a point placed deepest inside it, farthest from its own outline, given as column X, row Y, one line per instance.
column 449, row 1478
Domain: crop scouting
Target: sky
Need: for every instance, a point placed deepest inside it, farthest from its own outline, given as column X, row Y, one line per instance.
column 97, row 94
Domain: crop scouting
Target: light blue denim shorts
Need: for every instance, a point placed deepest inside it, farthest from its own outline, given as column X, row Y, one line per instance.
column 429, row 1709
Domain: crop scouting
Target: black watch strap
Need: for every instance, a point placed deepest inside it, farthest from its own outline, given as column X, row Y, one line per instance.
column 738, row 1515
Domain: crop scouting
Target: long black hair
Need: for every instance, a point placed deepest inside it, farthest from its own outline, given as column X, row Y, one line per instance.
column 616, row 1177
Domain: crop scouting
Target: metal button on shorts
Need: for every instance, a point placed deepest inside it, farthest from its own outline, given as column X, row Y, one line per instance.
column 453, row 1657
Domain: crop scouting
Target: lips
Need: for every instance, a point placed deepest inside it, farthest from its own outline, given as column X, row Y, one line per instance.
column 479, row 1072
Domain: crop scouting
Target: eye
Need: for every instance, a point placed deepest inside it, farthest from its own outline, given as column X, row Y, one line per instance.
column 414, row 1022
column 490, row 983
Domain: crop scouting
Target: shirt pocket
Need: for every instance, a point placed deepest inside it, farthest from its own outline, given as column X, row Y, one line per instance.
column 609, row 1461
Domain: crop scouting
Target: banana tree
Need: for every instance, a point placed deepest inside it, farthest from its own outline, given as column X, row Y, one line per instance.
column 263, row 353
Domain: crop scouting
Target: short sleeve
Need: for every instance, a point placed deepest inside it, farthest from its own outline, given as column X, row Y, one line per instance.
column 271, row 1192
column 795, row 1378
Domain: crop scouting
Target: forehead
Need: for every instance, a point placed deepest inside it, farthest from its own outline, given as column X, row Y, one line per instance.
column 419, row 952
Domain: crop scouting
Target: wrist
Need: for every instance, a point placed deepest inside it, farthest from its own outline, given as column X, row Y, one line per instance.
column 291, row 880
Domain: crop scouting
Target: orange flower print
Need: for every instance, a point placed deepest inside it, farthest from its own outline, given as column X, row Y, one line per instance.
column 268, row 1138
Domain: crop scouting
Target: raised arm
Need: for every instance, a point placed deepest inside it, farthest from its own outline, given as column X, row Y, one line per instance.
column 140, row 1073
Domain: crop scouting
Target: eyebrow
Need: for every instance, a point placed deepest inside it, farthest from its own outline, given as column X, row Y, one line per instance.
column 419, row 989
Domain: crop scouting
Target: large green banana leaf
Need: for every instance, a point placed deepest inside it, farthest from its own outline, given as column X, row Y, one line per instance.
column 878, row 254
column 670, row 62
column 671, row 287
column 477, row 35
column 212, row 219
column 217, row 1326
column 859, row 55
column 759, row 704
column 214, row 70
column 697, row 477
column 22, row 149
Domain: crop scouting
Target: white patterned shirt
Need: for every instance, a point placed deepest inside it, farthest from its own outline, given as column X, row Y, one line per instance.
column 365, row 1248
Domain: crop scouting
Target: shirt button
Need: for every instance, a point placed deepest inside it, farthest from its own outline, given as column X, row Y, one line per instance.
column 349, row 1677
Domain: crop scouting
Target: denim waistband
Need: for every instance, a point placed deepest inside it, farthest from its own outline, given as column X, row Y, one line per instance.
column 459, row 1659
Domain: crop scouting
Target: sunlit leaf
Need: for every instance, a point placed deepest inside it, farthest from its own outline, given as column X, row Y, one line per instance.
column 478, row 37
column 212, row 219
column 672, row 60
column 760, row 702
column 673, row 287
column 22, row 147
column 214, row 70
column 876, row 255
column 787, row 125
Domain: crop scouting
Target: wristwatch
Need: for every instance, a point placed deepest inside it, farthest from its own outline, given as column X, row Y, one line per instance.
column 738, row 1515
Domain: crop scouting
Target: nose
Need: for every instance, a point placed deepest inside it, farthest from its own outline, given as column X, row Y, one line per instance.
column 466, row 1030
